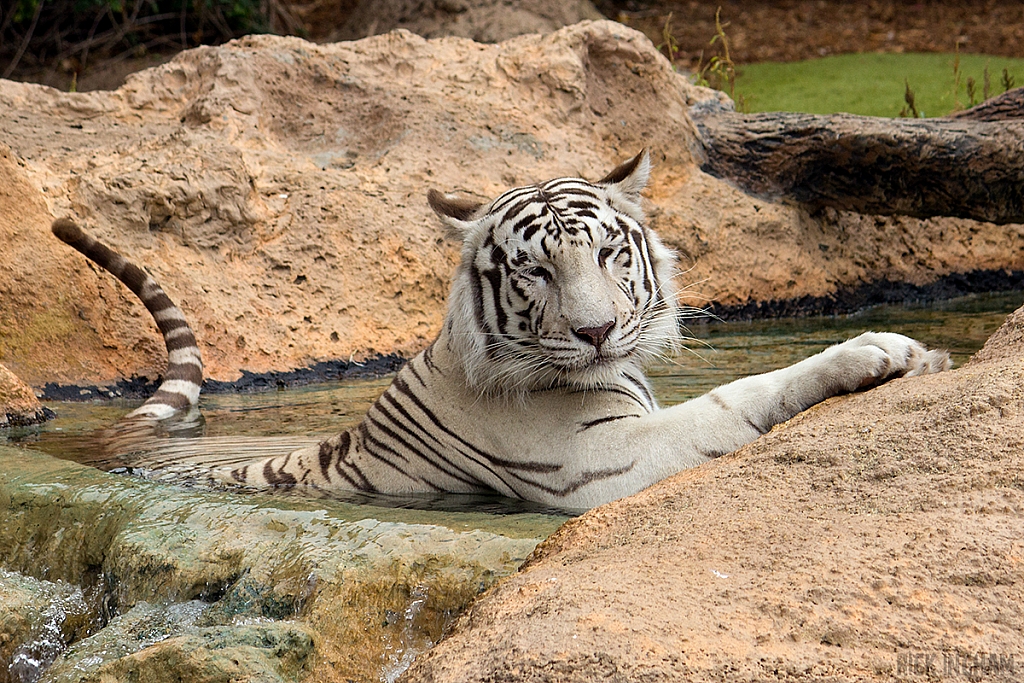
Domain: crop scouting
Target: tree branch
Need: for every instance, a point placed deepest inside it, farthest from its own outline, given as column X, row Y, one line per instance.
column 970, row 165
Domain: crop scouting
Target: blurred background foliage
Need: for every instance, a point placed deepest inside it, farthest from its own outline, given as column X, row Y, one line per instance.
column 65, row 35
column 818, row 56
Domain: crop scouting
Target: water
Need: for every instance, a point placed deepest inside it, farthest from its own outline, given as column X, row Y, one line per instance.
column 728, row 351
column 51, row 617
column 721, row 353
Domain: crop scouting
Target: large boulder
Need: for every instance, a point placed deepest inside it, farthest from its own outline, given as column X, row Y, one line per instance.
column 873, row 537
column 276, row 189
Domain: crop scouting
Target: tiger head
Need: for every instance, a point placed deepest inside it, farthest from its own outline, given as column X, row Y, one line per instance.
column 560, row 284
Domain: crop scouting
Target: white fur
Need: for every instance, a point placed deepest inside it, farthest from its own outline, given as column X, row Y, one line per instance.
column 189, row 355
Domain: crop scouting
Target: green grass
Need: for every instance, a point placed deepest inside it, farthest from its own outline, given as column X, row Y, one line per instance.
column 868, row 84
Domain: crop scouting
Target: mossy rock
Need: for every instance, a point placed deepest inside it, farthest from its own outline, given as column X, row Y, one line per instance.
column 367, row 585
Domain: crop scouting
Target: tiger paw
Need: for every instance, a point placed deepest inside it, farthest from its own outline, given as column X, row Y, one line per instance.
column 881, row 356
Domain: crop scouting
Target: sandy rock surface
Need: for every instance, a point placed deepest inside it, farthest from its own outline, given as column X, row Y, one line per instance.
column 872, row 538
column 276, row 189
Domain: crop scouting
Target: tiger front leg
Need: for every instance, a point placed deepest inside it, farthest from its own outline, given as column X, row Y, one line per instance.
column 746, row 408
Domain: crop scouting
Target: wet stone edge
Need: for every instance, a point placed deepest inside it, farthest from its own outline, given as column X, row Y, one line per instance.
column 26, row 419
column 879, row 292
column 250, row 382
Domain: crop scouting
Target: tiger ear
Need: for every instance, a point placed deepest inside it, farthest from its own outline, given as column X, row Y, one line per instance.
column 630, row 177
column 457, row 214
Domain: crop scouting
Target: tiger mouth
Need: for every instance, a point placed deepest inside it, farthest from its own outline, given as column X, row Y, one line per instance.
column 599, row 361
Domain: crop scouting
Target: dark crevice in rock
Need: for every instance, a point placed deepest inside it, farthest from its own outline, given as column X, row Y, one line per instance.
column 852, row 299
column 25, row 419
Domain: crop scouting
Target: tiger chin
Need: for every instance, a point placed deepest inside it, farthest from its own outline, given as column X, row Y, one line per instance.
column 534, row 388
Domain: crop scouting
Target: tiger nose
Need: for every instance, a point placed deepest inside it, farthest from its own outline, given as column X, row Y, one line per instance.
column 594, row 335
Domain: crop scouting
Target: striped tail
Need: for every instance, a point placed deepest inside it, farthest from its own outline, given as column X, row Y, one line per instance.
column 184, row 376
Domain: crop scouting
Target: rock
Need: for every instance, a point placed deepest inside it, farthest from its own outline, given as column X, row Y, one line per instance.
column 1005, row 344
column 18, row 404
column 276, row 188
column 258, row 652
column 166, row 643
column 876, row 536
column 485, row 21
column 37, row 620
column 368, row 587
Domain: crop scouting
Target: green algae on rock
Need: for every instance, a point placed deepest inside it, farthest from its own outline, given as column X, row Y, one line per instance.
column 37, row 619
column 175, row 642
column 367, row 585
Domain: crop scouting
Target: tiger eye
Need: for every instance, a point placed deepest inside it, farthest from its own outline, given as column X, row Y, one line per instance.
column 540, row 273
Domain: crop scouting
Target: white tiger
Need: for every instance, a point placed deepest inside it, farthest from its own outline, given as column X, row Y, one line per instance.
column 535, row 388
